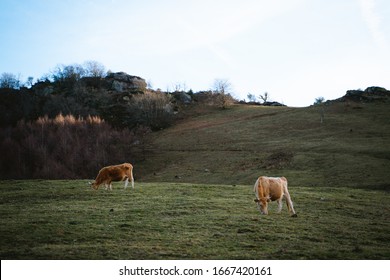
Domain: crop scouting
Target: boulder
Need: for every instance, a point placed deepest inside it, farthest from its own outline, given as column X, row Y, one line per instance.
column 183, row 97
column 123, row 82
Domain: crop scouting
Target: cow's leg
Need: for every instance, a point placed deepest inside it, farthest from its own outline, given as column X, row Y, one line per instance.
column 280, row 203
column 106, row 186
column 264, row 207
column 110, row 186
column 126, row 182
column 289, row 203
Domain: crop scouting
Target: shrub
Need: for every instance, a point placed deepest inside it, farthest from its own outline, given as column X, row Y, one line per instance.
column 65, row 148
column 152, row 109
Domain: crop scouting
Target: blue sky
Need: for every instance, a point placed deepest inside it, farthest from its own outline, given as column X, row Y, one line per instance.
column 296, row 50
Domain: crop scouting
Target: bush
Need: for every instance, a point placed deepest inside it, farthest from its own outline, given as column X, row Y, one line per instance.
column 65, row 148
column 151, row 109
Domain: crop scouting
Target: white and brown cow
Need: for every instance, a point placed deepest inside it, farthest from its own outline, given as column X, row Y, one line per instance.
column 108, row 174
column 270, row 189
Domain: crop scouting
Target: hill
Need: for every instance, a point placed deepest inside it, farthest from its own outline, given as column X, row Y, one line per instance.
column 344, row 142
column 336, row 156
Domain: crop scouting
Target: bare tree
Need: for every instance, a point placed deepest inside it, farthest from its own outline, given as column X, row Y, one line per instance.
column 9, row 80
column 251, row 97
column 94, row 69
column 178, row 87
column 152, row 109
column 222, row 88
column 264, row 97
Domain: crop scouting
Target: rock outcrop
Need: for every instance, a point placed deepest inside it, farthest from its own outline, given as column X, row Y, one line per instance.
column 123, row 82
column 370, row 94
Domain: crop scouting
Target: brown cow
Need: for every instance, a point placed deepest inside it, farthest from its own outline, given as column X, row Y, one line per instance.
column 270, row 189
column 121, row 172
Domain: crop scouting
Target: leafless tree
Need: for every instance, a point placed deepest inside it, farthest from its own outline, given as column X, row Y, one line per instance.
column 222, row 88
column 9, row 80
column 94, row 69
column 264, row 97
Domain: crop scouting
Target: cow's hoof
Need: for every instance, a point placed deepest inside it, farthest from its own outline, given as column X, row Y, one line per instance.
column 294, row 215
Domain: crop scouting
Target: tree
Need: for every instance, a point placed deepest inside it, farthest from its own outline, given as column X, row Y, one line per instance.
column 319, row 100
column 222, row 89
column 180, row 87
column 9, row 80
column 251, row 97
column 222, row 86
column 264, row 97
column 30, row 81
column 152, row 109
column 68, row 73
column 94, row 69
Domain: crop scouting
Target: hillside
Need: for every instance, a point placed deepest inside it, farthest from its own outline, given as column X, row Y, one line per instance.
column 340, row 143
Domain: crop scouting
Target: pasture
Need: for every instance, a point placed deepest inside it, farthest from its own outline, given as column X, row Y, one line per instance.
column 350, row 148
column 68, row 220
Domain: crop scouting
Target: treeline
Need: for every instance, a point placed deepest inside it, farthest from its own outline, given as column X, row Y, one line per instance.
column 66, row 147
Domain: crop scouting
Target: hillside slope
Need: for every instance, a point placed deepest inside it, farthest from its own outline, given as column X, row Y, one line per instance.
column 334, row 144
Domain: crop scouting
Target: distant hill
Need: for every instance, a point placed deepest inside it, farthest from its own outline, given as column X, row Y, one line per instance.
column 344, row 142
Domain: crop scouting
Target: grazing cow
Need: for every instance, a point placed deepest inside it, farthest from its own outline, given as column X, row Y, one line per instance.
column 270, row 189
column 121, row 172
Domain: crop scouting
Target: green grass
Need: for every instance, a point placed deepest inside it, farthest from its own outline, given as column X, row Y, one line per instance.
column 67, row 220
column 351, row 147
column 338, row 173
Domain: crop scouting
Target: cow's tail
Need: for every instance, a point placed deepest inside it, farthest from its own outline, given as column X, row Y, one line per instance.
column 289, row 202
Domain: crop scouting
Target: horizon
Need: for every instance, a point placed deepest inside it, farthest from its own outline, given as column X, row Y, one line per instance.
column 296, row 51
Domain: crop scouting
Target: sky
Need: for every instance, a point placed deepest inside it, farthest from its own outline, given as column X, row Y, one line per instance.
column 295, row 50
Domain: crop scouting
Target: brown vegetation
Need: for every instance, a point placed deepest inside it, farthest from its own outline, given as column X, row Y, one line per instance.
column 66, row 147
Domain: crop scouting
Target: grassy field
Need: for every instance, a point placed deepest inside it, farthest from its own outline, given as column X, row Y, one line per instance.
column 68, row 220
column 194, row 200
column 351, row 147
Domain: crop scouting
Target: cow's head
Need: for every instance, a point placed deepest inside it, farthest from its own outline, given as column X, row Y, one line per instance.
column 93, row 185
column 262, row 205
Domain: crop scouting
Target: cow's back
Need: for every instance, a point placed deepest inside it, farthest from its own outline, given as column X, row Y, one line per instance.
column 128, row 169
column 103, row 174
column 272, row 187
column 117, row 174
